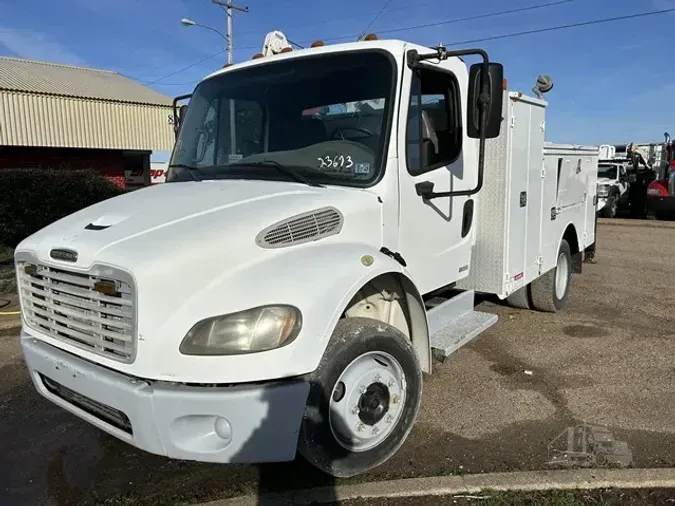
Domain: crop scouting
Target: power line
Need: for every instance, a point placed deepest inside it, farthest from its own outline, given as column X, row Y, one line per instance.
column 563, row 27
column 185, row 68
column 452, row 21
column 481, row 39
column 333, row 20
column 480, row 16
column 363, row 33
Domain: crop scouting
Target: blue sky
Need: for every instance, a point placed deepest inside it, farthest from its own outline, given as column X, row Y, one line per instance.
column 613, row 82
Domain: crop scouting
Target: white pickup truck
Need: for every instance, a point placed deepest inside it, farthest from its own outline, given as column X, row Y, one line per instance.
column 277, row 297
column 612, row 188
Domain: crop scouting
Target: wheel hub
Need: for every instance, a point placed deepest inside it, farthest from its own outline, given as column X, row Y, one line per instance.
column 367, row 401
column 374, row 404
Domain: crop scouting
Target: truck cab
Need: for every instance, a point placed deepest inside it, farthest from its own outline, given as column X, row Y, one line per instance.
column 316, row 202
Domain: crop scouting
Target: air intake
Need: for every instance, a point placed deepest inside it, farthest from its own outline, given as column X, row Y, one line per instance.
column 302, row 228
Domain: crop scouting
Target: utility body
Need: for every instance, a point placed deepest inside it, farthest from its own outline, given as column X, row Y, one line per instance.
column 313, row 262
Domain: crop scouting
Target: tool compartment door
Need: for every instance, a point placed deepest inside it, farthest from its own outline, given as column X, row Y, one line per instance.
column 525, row 203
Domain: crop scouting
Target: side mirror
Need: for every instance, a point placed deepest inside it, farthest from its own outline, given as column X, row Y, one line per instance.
column 179, row 112
column 493, row 121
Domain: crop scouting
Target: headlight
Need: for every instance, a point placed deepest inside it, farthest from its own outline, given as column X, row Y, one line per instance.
column 603, row 190
column 250, row 331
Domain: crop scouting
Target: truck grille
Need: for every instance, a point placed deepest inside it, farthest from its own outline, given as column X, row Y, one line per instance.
column 84, row 310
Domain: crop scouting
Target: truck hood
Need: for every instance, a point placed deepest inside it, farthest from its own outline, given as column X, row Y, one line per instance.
column 173, row 220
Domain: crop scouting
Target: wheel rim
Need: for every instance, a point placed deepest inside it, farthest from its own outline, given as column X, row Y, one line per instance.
column 367, row 401
column 561, row 275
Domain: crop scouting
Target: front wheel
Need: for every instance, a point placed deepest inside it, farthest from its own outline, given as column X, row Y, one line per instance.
column 363, row 400
column 610, row 209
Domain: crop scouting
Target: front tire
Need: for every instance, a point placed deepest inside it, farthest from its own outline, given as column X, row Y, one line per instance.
column 363, row 400
column 611, row 208
column 550, row 292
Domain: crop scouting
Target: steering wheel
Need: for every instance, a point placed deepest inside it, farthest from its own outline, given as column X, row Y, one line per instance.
column 341, row 130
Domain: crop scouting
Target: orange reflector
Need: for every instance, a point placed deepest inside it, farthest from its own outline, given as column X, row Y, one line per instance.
column 370, row 36
column 505, row 84
column 317, row 43
column 227, row 65
column 257, row 55
column 106, row 287
column 287, row 49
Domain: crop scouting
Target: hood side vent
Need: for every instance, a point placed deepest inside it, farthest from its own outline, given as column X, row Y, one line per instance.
column 302, row 228
column 91, row 226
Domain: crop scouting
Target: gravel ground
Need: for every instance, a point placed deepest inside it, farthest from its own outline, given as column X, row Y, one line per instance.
column 606, row 360
column 641, row 497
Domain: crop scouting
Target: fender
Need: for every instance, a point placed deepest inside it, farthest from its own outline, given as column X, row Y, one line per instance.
column 579, row 245
column 320, row 279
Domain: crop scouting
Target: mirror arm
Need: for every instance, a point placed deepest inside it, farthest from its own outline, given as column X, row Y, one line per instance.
column 414, row 59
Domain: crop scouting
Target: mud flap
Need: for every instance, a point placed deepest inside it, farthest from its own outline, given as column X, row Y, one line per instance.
column 577, row 263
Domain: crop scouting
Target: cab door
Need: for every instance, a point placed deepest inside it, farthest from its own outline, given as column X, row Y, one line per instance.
column 435, row 235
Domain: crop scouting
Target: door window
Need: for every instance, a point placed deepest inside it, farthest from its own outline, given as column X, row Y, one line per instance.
column 434, row 128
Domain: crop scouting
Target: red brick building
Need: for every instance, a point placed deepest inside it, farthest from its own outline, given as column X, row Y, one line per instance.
column 63, row 117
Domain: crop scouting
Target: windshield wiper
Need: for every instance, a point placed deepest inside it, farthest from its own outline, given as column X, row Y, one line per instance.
column 194, row 172
column 281, row 168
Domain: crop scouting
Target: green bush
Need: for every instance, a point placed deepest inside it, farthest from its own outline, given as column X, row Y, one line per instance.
column 31, row 199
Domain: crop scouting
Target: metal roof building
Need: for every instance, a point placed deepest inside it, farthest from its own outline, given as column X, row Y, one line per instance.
column 60, row 106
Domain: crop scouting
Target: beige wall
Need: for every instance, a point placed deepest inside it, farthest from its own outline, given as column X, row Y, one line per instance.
column 53, row 121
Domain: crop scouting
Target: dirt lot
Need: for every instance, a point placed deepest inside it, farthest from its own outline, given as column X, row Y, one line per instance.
column 607, row 359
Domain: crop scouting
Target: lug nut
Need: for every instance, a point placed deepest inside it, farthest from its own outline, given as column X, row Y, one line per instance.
column 396, row 399
column 390, row 383
column 375, row 431
column 360, row 427
column 355, row 410
column 389, row 419
column 362, row 389
column 377, row 378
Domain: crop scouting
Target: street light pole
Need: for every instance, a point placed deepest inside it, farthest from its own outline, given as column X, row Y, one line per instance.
column 229, row 8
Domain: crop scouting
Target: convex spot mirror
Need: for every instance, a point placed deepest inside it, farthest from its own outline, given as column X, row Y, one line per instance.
column 493, row 121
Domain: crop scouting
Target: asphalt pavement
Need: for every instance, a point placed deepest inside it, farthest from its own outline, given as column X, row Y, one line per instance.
column 494, row 406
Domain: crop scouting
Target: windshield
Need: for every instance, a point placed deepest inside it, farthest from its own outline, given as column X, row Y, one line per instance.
column 325, row 120
column 608, row 171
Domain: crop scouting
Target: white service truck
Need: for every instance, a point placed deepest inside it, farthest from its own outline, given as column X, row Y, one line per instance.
column 613, row 187
column 288, row 294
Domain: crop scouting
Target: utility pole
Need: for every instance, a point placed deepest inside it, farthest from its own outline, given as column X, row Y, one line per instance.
column 229, row 8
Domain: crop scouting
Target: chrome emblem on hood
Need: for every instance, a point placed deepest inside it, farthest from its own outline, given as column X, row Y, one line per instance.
column 65, row 255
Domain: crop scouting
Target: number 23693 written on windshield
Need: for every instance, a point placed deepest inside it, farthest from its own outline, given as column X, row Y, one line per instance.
column 337, row 162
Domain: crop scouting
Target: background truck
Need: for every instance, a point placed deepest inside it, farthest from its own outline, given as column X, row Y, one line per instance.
column 613, row 188
column 661, row 191
column 327, row 217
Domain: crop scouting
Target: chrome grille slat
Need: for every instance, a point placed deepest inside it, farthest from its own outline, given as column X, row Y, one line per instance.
column 80, row 292
column 78, row 323
column 65, row 306
column 80, row 303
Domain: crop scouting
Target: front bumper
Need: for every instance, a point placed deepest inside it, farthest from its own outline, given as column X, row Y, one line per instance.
column 246, row 423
